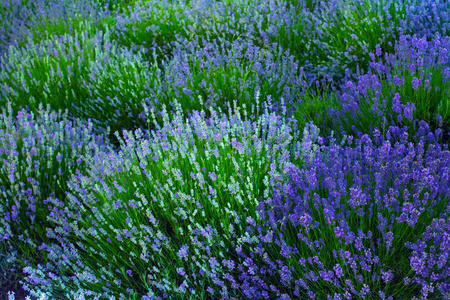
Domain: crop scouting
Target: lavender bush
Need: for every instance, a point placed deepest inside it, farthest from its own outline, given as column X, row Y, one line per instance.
column 427, row 18
column 328, row 37
column 313, row 106
column 151, row 26
column 399, row 89
column 84, row 73
column 21, row 19
column 350, row 223
column 161, row 216
column 350, row 30
column 237, row 73
column 38, row 155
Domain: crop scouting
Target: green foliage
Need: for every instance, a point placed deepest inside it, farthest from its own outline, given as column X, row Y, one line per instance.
column 313, row 107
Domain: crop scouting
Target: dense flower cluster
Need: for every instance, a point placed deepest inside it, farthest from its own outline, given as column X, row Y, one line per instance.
column 222, row 75
column 399, row 89
column 38, row 155
column 428, row 18
column 84, row 73
column 346, row 222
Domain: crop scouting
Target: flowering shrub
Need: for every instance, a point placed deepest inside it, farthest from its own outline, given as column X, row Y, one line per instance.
column 328, row 37
column 427, row 18
column 192, row 66
column 151, row 26
column 11, row 296
column 350, row 30
column 38, row 154
column 164, row 25
column 237, row 20
column 345, row 223
column 24, row 19
column 14, row 16
column 163, row 216
column 399, row 89
column 84, row 73
column 431, row 266
column 62, row 17
column 313, row 106
column 237, row 73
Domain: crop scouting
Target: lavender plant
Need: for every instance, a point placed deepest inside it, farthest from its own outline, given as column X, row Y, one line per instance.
column 299, row 5
column 115, row 5
column 430, row 266
column 328, row 37
column 237, row 205
column 38, row 18
column 313, row 106
column 238, row 74
column 350, row 30
column 400, row 89
column 151, row 26
column 59, row 19
column 15, row 15
column 161, row 217
column 84, row 73
column 11, row 296
column 38, row 154
column 91, row 92
column 219, row 22
column 164, row 26
column 365, row 219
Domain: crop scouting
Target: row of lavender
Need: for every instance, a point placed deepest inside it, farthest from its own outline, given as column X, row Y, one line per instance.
column 228, row 200
column 105, row 65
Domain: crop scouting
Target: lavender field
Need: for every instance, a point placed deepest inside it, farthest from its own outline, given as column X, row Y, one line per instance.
column 257, row 149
